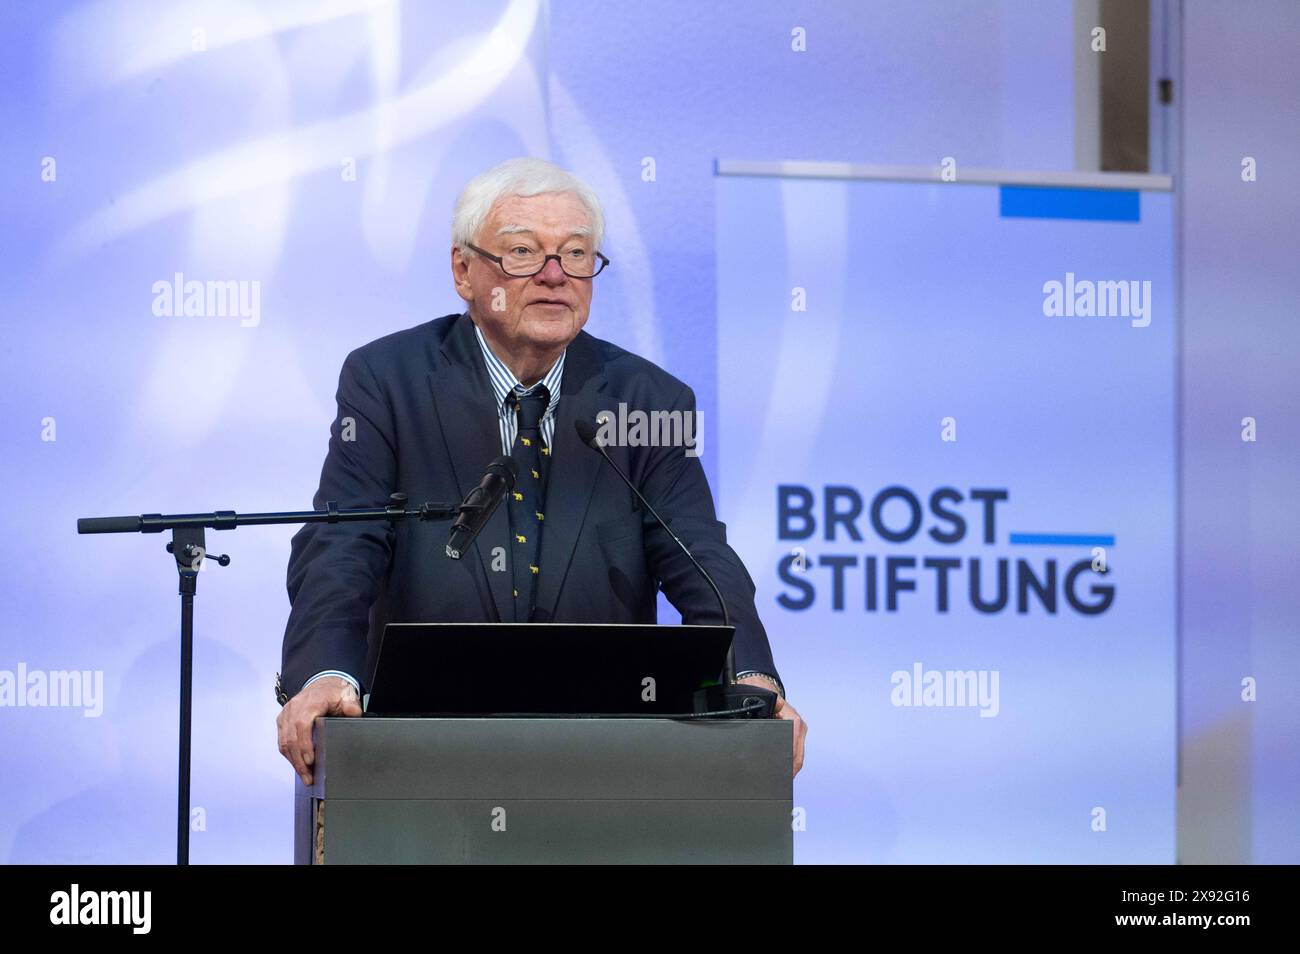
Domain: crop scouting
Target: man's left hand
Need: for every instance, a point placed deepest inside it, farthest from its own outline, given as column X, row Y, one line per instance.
column 783, row 711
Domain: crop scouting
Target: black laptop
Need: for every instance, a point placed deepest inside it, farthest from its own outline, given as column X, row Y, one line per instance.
column 553, row 669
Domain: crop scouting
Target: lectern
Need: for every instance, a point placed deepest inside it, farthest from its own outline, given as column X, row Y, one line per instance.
column 542, row 790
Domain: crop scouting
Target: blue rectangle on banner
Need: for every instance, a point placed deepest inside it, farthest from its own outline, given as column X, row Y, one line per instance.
column 1037, row 202
column 1064, row 539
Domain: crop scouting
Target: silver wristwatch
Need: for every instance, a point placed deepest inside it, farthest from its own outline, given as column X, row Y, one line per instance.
column 780, row 689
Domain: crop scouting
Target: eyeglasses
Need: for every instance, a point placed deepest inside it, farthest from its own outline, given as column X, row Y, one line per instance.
column 523, row 262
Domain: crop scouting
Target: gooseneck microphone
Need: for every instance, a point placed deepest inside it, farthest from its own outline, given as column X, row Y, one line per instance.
column 587, row 432
column 477, row 508
column 752, row 701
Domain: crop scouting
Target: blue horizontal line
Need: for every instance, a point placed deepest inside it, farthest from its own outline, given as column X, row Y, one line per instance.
column 1065, row 539
column 1036, row 202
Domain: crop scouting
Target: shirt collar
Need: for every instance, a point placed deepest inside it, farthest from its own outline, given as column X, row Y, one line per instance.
column 504, row 380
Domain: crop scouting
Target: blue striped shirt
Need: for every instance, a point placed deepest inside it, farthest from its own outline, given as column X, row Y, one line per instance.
column 504, row 381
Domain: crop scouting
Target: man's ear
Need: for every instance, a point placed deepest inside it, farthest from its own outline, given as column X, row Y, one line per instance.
column 460, row 274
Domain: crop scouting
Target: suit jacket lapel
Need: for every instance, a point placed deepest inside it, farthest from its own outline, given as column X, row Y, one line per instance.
column 573, row 470
column 466, row 408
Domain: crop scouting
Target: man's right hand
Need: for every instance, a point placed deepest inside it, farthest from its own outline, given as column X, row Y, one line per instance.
column 327, row 696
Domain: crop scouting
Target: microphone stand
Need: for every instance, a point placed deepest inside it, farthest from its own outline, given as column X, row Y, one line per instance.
column 188, row 547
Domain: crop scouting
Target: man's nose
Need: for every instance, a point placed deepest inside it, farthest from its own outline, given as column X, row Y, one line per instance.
column 551, row 273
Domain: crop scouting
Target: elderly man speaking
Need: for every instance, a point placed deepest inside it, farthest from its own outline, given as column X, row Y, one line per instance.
column 423, row 410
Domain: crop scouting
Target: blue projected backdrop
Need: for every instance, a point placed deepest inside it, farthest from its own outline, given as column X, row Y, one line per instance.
column 947, row 457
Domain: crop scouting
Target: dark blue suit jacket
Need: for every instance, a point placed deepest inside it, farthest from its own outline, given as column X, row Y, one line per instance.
column 424, row 422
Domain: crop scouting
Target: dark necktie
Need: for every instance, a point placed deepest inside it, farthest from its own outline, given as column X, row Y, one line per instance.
column 528, row 498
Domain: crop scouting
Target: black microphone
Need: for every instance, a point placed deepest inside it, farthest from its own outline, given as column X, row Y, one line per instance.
column 478, row 507
column 729, row 695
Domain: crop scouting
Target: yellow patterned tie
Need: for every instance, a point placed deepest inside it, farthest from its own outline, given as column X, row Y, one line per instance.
column 527, row 501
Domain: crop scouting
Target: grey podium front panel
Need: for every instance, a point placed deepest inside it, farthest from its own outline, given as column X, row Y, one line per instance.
column 548, row 791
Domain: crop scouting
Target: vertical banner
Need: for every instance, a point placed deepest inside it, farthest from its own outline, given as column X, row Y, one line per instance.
column 947, row 455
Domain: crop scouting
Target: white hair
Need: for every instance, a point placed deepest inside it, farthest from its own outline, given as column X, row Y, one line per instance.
column 522, row 177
